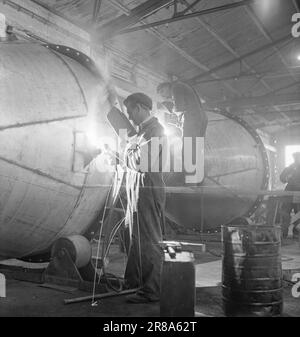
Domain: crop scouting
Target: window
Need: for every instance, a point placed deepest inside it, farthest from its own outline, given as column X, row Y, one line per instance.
column 289, row 150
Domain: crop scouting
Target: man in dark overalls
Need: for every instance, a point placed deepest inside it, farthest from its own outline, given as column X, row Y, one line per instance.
column 145, row 255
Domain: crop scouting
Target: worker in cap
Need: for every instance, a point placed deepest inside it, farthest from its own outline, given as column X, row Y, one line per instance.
column 185, row 100
column 145, row 255
column 291, row 177
column 182, row 100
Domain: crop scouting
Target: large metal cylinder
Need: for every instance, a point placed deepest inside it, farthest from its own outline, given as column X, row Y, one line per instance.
column 235, row 168
column 47, row 97
column 252, row 272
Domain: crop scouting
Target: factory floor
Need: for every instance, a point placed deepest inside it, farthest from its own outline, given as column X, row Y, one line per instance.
column 29, row 299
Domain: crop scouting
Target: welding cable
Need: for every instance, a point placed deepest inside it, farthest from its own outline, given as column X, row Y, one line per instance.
column 105, row 274
column 112, row 235
column 105, row 251
column 139, row 249
column 98, row 247
column 123, row 207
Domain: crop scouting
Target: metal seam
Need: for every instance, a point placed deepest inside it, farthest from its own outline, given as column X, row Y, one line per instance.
column 20, row 125
column 39, row 172
column 74, row 76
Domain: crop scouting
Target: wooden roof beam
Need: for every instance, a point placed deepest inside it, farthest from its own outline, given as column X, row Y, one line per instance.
column 263, row 30
column 97, row 8
column 266, row 100
column 187, row 16
column 239, row 59
column 228, row 47
column 134, row 16
column 172, row 45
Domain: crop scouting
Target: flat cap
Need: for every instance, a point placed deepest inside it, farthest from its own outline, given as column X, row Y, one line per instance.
column 140, row 98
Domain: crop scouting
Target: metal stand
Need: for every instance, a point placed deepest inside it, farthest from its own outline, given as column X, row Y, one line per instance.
column 71, row 265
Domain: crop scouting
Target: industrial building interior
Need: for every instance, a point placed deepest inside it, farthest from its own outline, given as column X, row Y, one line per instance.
column 229, row 243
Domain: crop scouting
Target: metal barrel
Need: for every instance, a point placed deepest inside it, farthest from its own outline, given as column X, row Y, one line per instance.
column 252, row 272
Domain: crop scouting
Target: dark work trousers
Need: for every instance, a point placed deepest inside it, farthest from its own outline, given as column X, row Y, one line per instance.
column 145, row 255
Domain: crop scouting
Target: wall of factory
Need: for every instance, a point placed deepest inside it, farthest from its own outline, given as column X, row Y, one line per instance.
column 32, row 21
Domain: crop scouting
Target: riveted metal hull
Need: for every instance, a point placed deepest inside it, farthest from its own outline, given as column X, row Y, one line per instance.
column 236, row 169
column 46, row 97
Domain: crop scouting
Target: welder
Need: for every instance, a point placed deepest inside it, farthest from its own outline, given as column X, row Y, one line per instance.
column 145, row 258
column 185, row 100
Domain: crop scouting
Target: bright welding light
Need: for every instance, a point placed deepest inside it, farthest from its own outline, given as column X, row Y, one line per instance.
column 168, row 132
column 92, row 137
column 298, row 57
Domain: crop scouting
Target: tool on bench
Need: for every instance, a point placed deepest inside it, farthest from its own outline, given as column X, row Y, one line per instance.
column 173, row 247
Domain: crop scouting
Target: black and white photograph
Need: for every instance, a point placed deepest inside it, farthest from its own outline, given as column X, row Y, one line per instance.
column 149, row 162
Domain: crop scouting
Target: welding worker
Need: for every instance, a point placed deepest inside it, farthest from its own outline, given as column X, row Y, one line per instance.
column 291, row 177
column 145, row 255
column 195, row 121
column 185, row 100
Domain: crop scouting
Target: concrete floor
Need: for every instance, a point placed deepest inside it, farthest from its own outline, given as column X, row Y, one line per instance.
column 28, row 299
